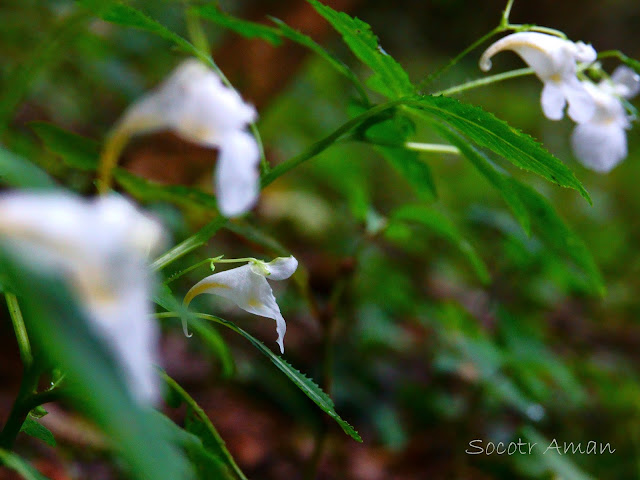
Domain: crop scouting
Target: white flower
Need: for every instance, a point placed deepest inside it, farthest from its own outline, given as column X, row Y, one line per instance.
column 100, row 247
column 554, row 61
column 248, row 288
column 601, row 143
column 195, row 104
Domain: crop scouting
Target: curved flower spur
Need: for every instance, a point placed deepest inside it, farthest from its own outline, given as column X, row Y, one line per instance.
column 553, row 59
column 195, row 104
column 100, row 247
column 247, row 287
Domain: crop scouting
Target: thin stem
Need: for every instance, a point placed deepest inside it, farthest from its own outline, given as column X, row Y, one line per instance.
column 116, row 142
column 433, row 76
column 21, row 331
column 197, row 240
column 179, row 274
column 481, row 82
column 200, row 413
column 432, row 147
column 323, row 144
column 504, row 22
column 21, row 408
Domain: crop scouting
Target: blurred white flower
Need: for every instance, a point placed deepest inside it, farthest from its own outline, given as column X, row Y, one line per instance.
column 195, row 104
column 100, row 246
column 248, row 288
column 553, row 59
column 601, row 143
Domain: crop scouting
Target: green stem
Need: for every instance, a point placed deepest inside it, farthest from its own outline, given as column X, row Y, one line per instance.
column 504, row 22
column 433, row 76
column 21, row 407
column 200, row 413
column 197, row 240
column 481, row 82
column 321, row 145
column 21, row 331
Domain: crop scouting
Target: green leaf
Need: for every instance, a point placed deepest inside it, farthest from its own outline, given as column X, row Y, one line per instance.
column 75, row 150
column 94, row 383
column 557, row 236
column 440, row 225
column 499, row 179
column 389, row 78
column 237, row 25
column 394, row 132
column 308, row 386
column 557, row 463
column 490, row 132
column 35, row 429
column 19, row 465
column 16, row 171
column 149, row 190
column 126, row 16
column 308, row 42
column 304, row 383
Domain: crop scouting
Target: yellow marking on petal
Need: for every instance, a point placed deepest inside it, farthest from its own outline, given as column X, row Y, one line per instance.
column 255, row 303
column 556, row 77
column 195, row 291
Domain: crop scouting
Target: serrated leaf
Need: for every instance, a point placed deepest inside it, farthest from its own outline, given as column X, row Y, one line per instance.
column 442, row 226
column 308, row 42
column 493, row 174
column 557, row 236
column 75, row 150
column 20, row 465
column 126, row 16
column 488, row 131
column 16, row 171
column 308, row 386
column 237, row 25
column 389, row 78
column 35, row 429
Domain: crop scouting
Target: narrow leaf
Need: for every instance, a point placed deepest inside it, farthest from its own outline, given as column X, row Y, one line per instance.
column 126, row 16
column 499, row 179
column 35, row 429
column 16, row 171
column 237, row 25
column 441, row 226
column 389, row 78
column 75, row 150
column 557, row 236
column 490, row 132
column 20, row 465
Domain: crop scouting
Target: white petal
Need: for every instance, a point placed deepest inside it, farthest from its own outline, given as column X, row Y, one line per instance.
column 626, row 81
column 194, row 103
column 237, row 176
column 599, row 146
column 248, row 290
column 581, row 104
column 548, row 55
column 282, row 268
column 87, row 243
column 584, row 52
column 552, row 100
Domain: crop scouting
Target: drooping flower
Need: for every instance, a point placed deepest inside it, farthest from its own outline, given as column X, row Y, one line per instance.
column 553, row 60
column 247, row 287
column 100, row 248
column 195, row 104
column 601, row 143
